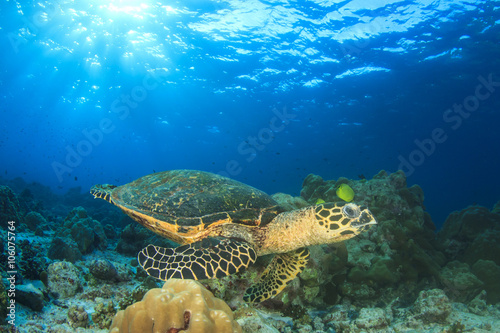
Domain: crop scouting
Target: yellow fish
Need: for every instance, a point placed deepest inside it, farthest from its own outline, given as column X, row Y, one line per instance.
column 345, row 192
column 320, row 201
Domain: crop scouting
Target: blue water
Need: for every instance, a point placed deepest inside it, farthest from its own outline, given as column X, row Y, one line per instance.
column 263, row 91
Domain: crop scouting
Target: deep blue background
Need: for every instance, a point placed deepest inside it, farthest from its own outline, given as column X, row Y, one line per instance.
column 362, row 79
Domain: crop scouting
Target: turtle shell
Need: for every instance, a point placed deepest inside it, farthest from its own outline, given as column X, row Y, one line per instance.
column 182, row 203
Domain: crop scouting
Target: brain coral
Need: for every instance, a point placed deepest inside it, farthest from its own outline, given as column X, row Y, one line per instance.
column 180, row 305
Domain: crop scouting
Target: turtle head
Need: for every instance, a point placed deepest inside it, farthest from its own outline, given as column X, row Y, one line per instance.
column 341, row 221
column 102, row 191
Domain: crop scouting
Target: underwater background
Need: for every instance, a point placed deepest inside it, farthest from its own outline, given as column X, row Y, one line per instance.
column 291, row 97
column 197, row 85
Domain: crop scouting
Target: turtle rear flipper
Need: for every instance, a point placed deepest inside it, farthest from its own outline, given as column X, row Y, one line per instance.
column 197, row 261
column 283, row 268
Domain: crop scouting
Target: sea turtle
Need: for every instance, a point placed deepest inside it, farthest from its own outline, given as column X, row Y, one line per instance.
column 223, row 225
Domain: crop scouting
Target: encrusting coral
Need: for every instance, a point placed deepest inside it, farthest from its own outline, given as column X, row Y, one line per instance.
column 77, row 317
column 103, row 314
column 63, row 279
column 180, row 305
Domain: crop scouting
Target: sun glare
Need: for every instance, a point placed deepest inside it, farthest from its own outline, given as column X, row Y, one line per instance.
column 116, row 8
column 135, row 11
column 101, row 33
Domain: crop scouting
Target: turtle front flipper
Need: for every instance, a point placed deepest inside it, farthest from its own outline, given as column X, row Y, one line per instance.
column 197, row 261
column 283, row 268
column 102, row 191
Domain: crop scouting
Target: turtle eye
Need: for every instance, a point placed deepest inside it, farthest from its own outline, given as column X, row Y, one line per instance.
column 351, row 211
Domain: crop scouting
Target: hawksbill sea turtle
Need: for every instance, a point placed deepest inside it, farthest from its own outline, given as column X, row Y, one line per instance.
column 223, row 225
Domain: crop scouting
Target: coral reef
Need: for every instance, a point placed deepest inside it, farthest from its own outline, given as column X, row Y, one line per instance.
column 63, row 279
column 400, row 248
column 431, row 311
column 35, row 220
column 489, row 273
column 132, row 296
column 255, row 321
column 496, row 208
column 134, row 238
column 3, row 303
column 461, row 284
column 77, row 317
column 9, row 207
column 372, row 318
column 180, row 305
column 471, row 234
column 399, row 276
column 64, row 248
column 33, row 261
column 297, row 313
column 103, row 314
column 103, row 269
column 85, row 231
column 432, row 306
column 30, row 296
column 478, row 304
column 288, row 202
column 110, row 231
column 108, row 271
column 314, row 188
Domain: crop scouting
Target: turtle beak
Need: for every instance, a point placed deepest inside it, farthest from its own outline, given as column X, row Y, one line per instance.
column 365, row 219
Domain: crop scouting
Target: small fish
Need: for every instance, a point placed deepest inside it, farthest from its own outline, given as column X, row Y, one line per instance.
column 320, row 201
column 345, row 192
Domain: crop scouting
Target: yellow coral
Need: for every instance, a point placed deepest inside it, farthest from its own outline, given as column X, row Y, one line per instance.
column 180, row 305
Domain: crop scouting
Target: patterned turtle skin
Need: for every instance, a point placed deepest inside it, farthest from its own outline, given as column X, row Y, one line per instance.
column 223, row 225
